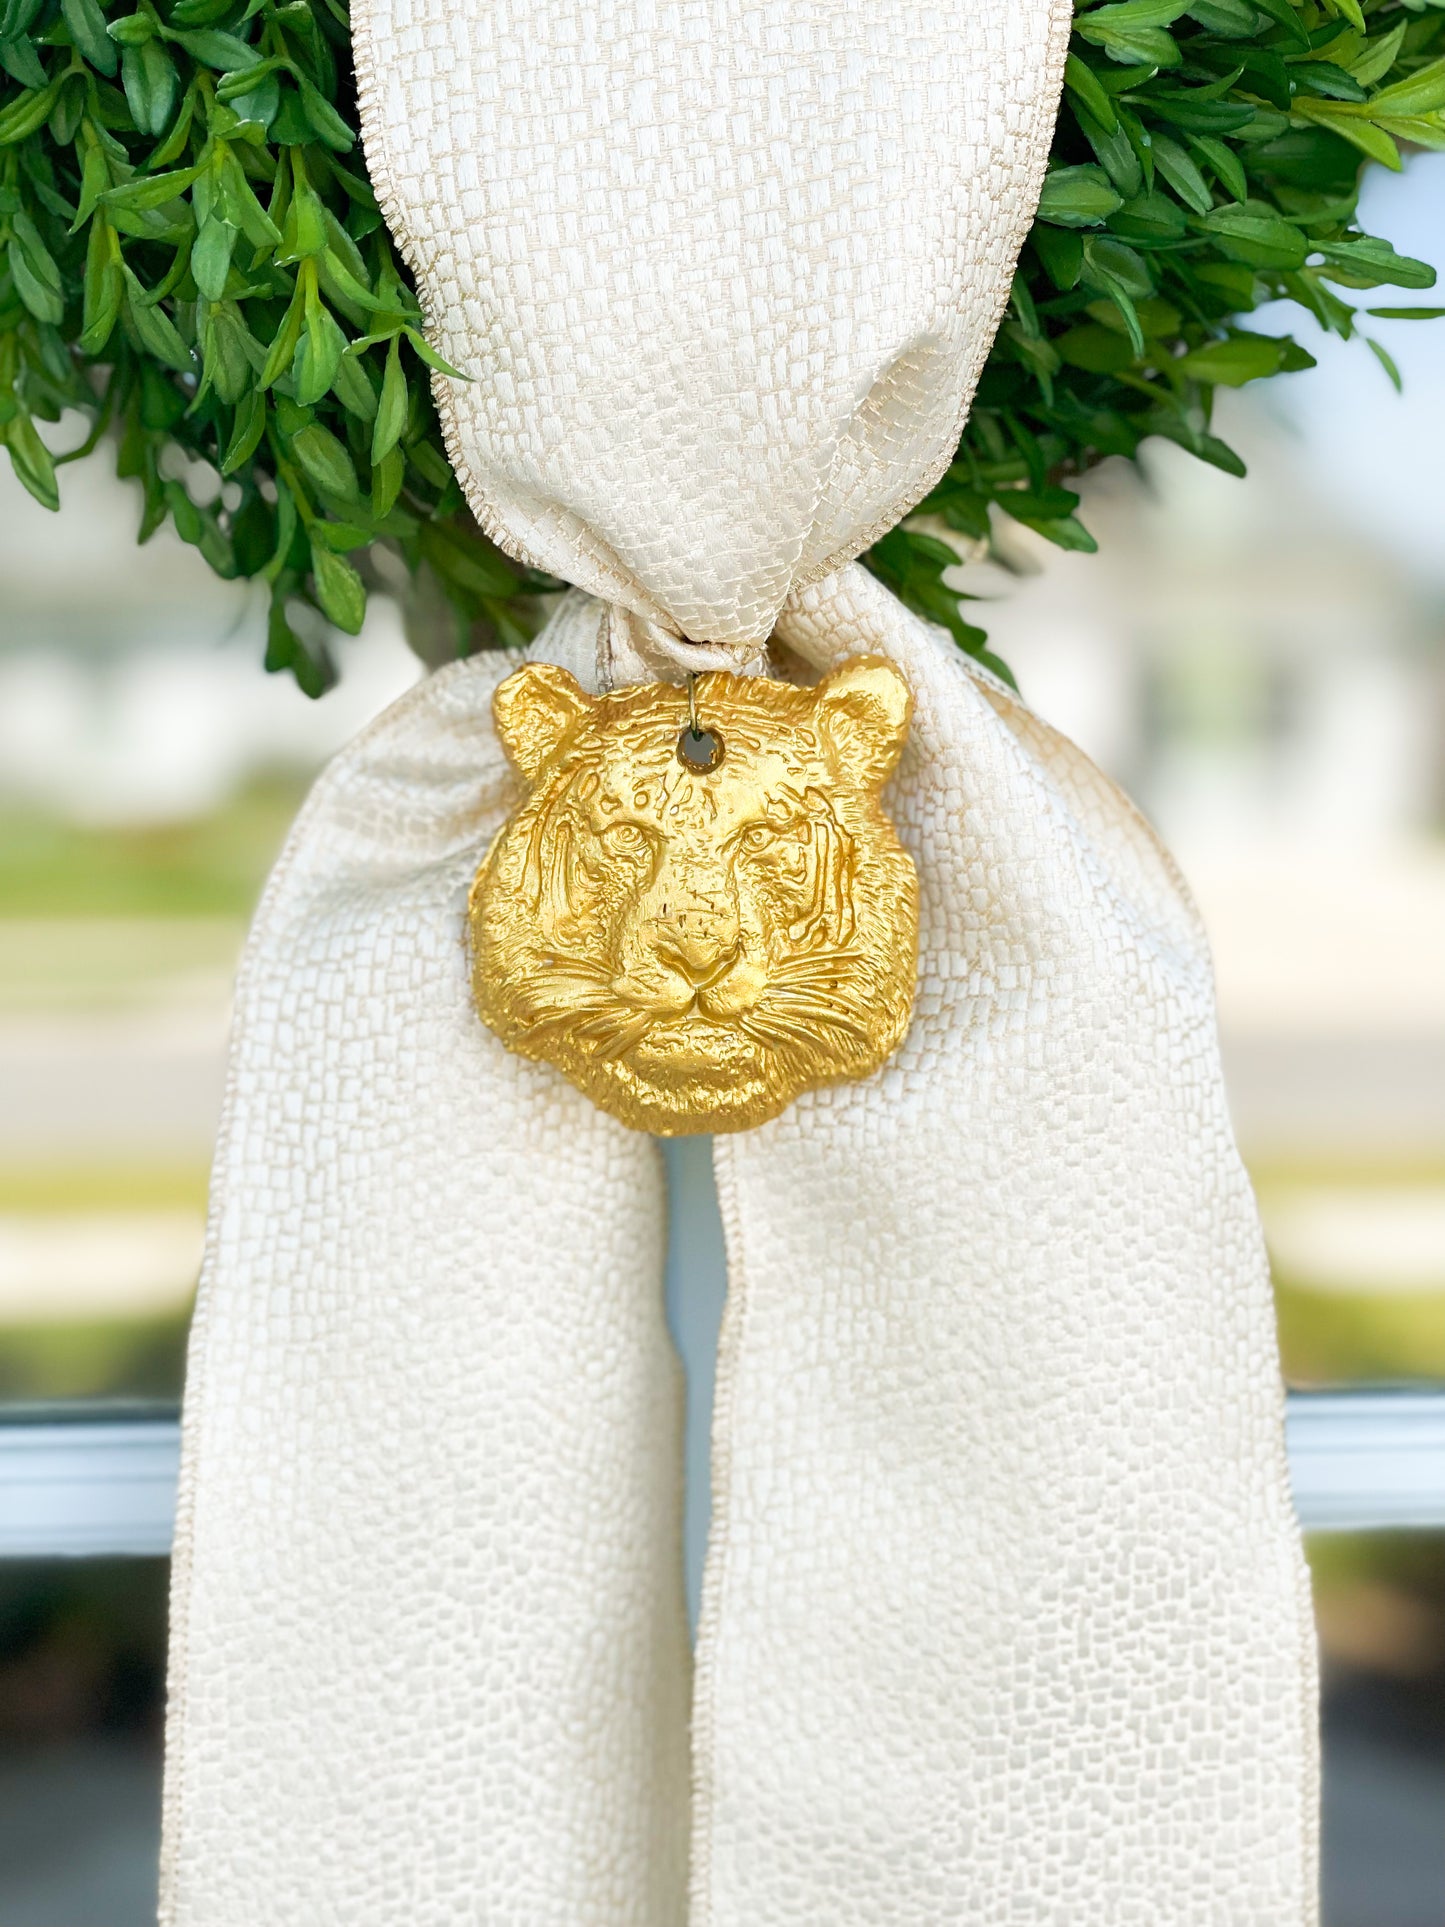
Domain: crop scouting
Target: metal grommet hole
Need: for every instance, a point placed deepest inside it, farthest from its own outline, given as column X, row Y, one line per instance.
column 699, row 750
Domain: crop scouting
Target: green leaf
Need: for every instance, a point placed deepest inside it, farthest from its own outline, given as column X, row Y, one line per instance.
column 87, row 29
column 429, row 355
column 32, row 267
column 286, row 526
column 1231, row 363
column 156, row 329
column 339, row 589
column 470, row 561
column 23, row 117
column 102, row 289
column 1322, row 77
column 352, row 387
column 226, row 52
column 1365, row 262
column 391, row 413
column 1377, row 57
column 319, row 353
column 235, row 85
column 1095, row 348
column 66, row 115
column 1423, row 130
column 325, row 461
column 246, row 431
column 211, row 257
column 340, row 537
column 286, row 651
column 1386, row 361
column 1062, row 253
column 150, row 190
column 43, row 302
column 327, row 125
column 1177, row 166
column 386, row 480
column 1256, row 235
column 1422, row 93
column 1133, row 31
column 1111, row 266
column 283, row 344
column 1197, row 113
column 1115, row 153
column 259, row 102
column 1230, row 18
column 344, row 287
column 31, row 460
column 1159, row 320
column 1369, row 139
column 230, row 355
column 150, row 82
column 304, row 233
column 1176, row 427
column 1407, row 314
column 20, row 60
column 17, row 17
column 1152, row 218
column 1228, row 169
column 1081, row 81
column 204, row 13
column 1077, row 197
column 912, row 565
column 243, row 210
column 1285, row 14
column 132, row 29
column 94, row 181
column 1050, row 513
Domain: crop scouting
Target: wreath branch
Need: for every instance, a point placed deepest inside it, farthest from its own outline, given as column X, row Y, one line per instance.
column 191, row 259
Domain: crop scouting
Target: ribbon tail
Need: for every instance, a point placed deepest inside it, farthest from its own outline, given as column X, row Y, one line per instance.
column 1005, row 1616
column 429, row 1650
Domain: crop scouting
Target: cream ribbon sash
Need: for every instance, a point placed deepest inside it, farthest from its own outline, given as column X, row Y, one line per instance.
column 1004, row 1619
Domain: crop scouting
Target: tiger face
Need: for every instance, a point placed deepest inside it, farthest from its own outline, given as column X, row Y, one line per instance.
column 694, row 943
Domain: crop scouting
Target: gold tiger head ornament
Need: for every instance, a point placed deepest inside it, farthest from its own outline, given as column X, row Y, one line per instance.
column 695, row 926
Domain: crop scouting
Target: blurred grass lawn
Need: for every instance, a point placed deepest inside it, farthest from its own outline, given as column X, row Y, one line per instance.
column 114, row 1357
column 98, row 916
column 212, row 866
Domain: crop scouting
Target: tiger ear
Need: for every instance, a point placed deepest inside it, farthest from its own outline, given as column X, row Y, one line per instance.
column 534, row 709
column 863, row 711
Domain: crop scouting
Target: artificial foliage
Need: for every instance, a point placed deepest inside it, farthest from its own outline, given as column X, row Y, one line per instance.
column 194, row 263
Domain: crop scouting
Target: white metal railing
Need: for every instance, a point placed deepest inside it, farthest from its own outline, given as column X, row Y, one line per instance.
column 87, row 1487
column 84, row 1485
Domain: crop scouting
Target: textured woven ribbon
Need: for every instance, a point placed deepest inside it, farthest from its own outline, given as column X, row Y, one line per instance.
column 1005, row 1620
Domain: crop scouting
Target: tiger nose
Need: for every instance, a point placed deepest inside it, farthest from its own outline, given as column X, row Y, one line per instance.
column 700, row 957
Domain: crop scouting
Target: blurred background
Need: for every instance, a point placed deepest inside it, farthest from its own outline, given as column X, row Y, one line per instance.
column 1261, row 663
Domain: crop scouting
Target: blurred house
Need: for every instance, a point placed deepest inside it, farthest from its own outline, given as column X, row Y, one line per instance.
column 129, row 685
column 1267, row 679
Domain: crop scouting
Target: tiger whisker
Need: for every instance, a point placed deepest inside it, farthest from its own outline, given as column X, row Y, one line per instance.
column 824, row 1015
column 775, row 1027
column 568, row 1012
column 626, row 1037
column 772, row 1036
column 799, row 967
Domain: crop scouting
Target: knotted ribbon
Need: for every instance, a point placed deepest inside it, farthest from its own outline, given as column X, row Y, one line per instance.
column 1005, row 1620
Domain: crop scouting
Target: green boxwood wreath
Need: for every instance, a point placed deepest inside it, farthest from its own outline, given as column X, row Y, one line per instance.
column 194, row 261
